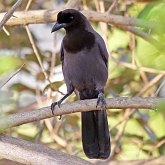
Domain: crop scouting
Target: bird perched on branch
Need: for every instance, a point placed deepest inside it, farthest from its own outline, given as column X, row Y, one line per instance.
column 85, row 68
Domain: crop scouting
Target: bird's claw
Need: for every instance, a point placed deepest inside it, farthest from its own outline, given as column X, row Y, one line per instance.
column 53, row 105
column 101, row 101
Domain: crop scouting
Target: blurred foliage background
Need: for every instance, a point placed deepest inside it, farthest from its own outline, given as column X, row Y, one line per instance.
column 135, row 69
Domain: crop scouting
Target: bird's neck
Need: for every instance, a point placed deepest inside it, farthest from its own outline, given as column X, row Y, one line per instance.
column 78, row 39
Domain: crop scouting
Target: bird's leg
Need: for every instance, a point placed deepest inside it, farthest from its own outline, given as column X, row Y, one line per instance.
column 101, row 100
column 58, row 103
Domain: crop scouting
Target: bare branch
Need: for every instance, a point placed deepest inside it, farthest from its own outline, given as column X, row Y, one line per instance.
column 28, row 5
column 55, row 137
column 49, row 16
column 119, row 135
column 10, row 77
column 150, row 84
column 36, row 52
column 114, row 3
column 77, row 106
column 36, row 154
column 5, row 30
column 73, row 4
column 134, row 67
column 7, row 15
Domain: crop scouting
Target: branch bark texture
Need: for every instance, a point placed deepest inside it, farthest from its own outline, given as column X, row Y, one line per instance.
column 77, row 106
column 36, row 154
column 49, row 16
column 7, row 15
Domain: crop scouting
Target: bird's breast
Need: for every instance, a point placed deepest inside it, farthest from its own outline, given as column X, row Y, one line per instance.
column 85, row 69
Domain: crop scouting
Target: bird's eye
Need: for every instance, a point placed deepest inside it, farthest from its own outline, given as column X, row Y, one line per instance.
column 71, row 17
column 65, row 17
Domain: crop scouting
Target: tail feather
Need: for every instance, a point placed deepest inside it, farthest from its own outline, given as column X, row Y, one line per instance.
column 103, row 134
column 95, row 133
column 89, row 135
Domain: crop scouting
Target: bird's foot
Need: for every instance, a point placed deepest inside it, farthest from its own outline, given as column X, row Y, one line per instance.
column 101, row 101
column 53, row 105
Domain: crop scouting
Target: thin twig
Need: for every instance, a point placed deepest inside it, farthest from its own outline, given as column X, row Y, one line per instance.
column 9, row 13
column 10, row 77
column 40, row 126
column 128, row 113
column 36, row 52
column 151, row 83
column 160, row 87
column 119, row 135
column 112, row 6
column 97, row 5
column 84, row 4
column 38, row 57
column 55, row 137
column 134, row 67
column 28, row 5
column 5, row 30
column 142, row 73
column 124, row 119
column 73, row 4
column 142, row 91
column 103, row 26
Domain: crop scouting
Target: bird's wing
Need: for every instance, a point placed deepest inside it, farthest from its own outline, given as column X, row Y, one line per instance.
column 102, row 48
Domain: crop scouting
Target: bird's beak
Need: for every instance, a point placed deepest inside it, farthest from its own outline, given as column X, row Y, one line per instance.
column 58, row 26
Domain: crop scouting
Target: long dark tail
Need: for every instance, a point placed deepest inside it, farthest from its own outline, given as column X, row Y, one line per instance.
column 95, row 131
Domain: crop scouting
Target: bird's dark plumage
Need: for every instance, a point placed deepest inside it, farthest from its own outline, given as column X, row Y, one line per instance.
column 85, row 67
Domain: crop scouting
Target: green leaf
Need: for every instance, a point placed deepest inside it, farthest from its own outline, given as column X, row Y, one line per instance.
column 9, row 63
column 118, row 39
column 147, row 54
column 157, row 123
column 161, row 106
column 154, row 11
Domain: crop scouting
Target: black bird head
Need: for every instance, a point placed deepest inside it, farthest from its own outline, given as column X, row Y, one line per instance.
column 69, row 19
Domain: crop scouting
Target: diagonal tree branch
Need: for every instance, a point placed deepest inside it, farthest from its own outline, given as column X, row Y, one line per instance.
column 7, row 15
column 77, row 106
column 10, row 77
column 36, row 154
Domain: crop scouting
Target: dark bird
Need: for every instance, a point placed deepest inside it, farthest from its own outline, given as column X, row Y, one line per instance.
column 85, row 68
